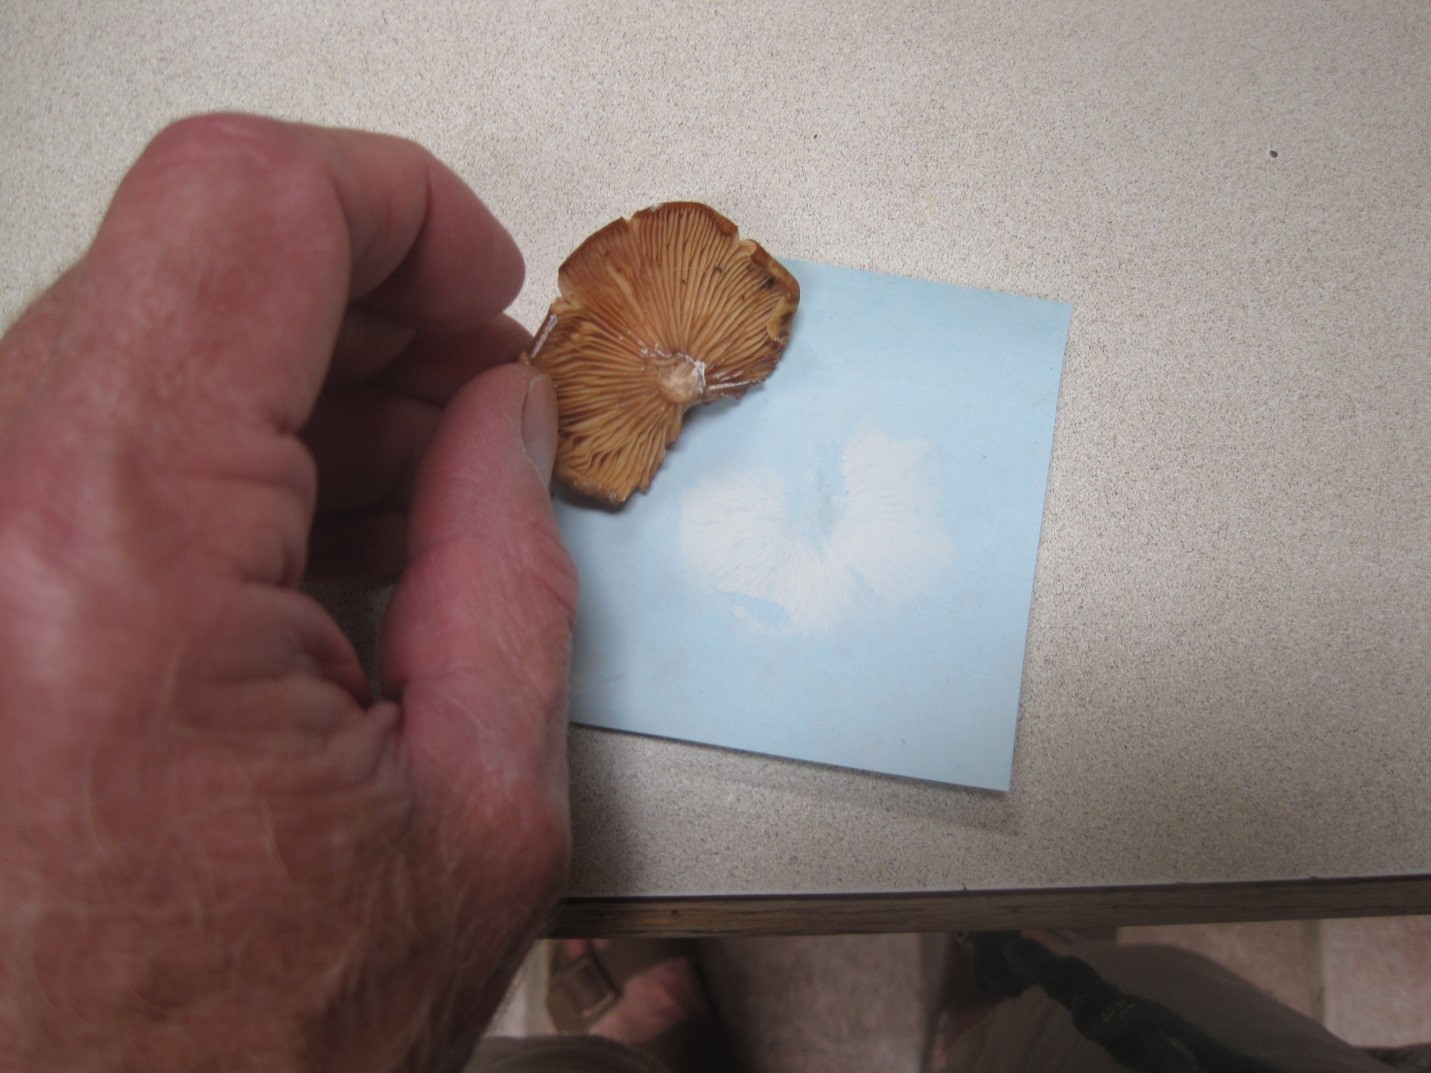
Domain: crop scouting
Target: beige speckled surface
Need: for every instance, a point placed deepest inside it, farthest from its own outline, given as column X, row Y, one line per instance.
column 1227, row 667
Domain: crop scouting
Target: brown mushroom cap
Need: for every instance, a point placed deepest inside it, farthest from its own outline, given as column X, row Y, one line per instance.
column 657, row 313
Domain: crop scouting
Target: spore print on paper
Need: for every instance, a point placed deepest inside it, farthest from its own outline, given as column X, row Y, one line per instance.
column 820, row 550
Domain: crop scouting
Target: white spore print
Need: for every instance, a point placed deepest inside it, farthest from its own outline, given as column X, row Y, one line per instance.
column 884, row 543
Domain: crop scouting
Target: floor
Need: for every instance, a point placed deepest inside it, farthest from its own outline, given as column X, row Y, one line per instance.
column 1367, row 981
column 842, row 1004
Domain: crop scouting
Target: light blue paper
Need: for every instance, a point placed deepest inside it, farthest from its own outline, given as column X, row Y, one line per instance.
column 838, row 567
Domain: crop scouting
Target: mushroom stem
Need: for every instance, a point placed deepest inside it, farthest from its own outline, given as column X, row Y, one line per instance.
column 681, row 378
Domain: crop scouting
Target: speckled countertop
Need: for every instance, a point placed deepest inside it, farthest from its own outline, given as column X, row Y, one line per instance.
column 1227, row 673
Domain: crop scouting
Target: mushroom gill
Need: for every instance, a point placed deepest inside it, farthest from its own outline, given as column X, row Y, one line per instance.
column 657, row 313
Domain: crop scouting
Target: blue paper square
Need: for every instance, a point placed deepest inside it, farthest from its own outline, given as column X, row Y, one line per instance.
column 838, row 567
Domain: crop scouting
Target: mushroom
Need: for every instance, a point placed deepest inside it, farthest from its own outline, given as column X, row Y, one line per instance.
column 657, row 313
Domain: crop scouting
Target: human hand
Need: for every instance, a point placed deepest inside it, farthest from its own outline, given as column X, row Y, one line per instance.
column 216, row 851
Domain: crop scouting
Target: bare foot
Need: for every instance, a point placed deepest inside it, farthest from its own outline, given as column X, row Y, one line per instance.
column 651, row 1002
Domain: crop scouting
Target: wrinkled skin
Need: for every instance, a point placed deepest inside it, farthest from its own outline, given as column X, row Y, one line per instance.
column 284, row 350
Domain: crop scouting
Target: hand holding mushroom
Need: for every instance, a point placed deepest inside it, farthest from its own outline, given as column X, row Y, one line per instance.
column 283, row 350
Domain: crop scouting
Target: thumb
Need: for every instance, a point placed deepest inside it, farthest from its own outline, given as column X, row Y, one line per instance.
column 477, row 639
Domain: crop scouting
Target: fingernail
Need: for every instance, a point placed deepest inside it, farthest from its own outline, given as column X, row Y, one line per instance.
column 539, row 425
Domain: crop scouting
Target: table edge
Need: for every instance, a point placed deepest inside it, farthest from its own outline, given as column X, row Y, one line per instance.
column 985, row 910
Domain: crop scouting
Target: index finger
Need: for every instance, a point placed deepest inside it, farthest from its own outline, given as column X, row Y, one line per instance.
column 231, row 249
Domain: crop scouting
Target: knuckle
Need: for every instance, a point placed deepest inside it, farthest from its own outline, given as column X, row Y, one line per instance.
column 226, row 157
column 217, row 138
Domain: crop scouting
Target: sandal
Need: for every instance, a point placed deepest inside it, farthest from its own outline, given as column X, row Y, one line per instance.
column 583, row 990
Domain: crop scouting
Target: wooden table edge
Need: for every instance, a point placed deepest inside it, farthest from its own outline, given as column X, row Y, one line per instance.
column 984, row 910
